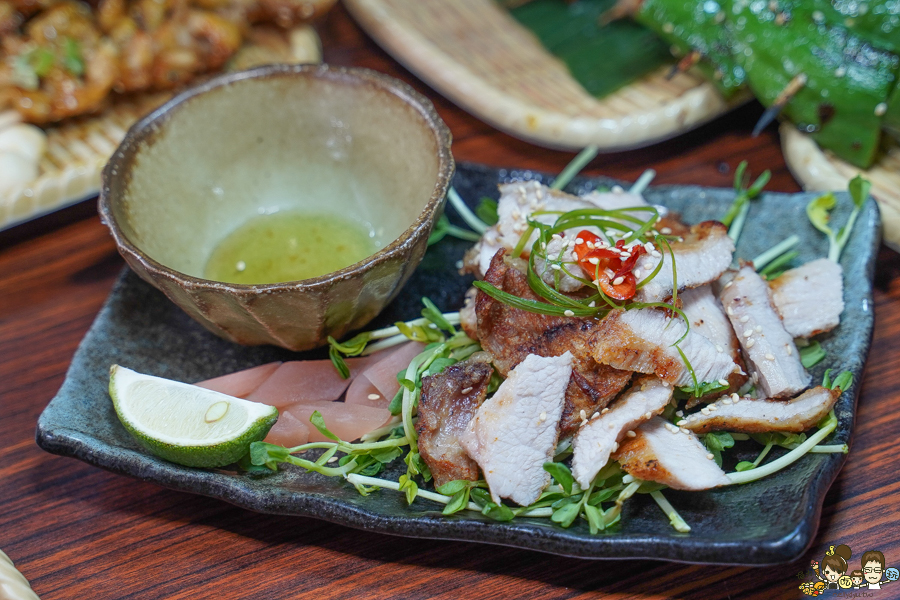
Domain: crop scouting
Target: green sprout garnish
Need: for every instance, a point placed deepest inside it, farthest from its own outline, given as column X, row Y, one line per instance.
column 736, row 215
column 819, row 213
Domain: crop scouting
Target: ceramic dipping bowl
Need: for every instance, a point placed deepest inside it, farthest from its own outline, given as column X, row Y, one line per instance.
column 279, row 137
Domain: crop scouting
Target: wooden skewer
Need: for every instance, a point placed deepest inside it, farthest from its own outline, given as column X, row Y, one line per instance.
column 689, row 60
column 795, row 85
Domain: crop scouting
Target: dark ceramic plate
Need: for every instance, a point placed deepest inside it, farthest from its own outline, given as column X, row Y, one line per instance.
column 765, row 522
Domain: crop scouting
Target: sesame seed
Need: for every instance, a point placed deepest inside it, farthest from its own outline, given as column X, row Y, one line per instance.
column 466, row 390
column 543, row 417
column 726, row 401
column 556, row 236
column 374, row 396
column 665, row 230
column 240, row 266
column 655, row 254
column 705, row 411
column 590, row 245
column 788, row 348
column 713, row 406
column 333, row 459
column 647, row 415
column 748, row 333
column 750, row 343
column 595, row 415
column 769, row 357
column 617, row 189
column 637, row 273
column 744, row 319
column 615, row 446
column 729, row 311
column 723, row 382
column 728, row 285
column 612, row 425
column 594, row 260
column 579, row 241
column 719, row 349
column 630, row 433
column 592, row 304
column 569, row 313
column 685, row 431
column 555, row 267
column 618, row 281
column 679, row 413
column 735, row 397
column 681, row 422
column 582, row 414
column 604, row 411
column 710, row 456
column 880, row 109
column 758, row 329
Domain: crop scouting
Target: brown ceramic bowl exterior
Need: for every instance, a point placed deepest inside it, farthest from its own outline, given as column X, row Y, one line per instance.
column 395, row 143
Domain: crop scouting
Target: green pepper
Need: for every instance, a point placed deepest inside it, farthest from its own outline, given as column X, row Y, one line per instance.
column 875, row 21
column 848, row 81
column 691, row 25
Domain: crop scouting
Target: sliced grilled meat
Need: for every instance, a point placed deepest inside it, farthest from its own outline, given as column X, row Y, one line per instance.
column 810, row 298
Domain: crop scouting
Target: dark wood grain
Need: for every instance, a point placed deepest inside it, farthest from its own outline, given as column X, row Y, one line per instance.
column 78, row 532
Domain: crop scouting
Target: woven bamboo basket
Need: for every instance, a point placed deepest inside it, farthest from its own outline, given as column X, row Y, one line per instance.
column 476, row 54
column 77, row 150
column 819, row 170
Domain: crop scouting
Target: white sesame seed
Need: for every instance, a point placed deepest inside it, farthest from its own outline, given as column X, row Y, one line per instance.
column 728, row 285
column 612, row 425
column 555, row 267
column 723, row 382
column 788, row 349
column 333, row 459
column 750, row 343
column 726, row 401
column 710, row 456
column 592, row 304
column 681, row 422
column 735, row 397
column 594, row 260
column 618, row 281
column 655, row 254
column 647, row 415
column 569, row 313
column 880, row 109
column 604, row 411
column 617, row 189
column 590, row 245
column 241, row 265
column 758, row 329
column 630, row 433
column 374, row 396
column 685, row 431
column 769, row 357
column 729, row 311
column 466, row 390
column 543, row 417
column 579, row 241
column 582, row 414
column 679, row 413
column 705, row 411
column 719, row 349
column 748, row 333
column 744, row 319
column 665, row 230
column 713, row 406
column 637, row 273
column 615, row 446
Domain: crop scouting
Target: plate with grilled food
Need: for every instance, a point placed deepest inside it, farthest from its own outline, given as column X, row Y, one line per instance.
column 620, row 371
column 75, row 76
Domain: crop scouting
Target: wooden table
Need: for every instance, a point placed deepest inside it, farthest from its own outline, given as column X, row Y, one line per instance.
column 78, row 532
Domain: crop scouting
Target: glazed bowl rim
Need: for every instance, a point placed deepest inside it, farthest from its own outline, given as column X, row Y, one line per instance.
column 122, row 162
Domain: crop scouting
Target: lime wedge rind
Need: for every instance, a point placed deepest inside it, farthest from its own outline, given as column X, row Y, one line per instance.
column 169, row 419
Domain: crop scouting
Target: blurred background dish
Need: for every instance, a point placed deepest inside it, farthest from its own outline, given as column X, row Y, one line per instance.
column 343, row 144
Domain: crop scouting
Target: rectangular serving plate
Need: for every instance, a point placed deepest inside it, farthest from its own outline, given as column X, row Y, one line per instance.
column 765, row 522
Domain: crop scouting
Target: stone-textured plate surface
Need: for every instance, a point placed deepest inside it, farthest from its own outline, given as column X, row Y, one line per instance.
column 765, row 522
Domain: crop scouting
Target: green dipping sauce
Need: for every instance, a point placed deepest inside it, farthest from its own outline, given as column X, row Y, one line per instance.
column 289, row 246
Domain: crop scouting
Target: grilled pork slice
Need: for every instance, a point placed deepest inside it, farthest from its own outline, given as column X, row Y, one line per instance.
column 510, row 334
column 560, row 249
column 773, row 358
column 810, row 298
column 641, row 340
column 707, row 318
column 617, row 200
column 595, row 441
column 515, row 432
column 517, row 203
column 467, row 319
column 749, row 415
column 703, row 255
column 449, row 401
column 661, row 452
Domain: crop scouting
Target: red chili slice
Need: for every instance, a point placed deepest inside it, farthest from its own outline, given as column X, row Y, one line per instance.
column 607, row 259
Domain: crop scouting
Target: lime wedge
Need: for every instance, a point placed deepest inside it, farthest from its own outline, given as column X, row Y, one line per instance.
column 184, row 423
